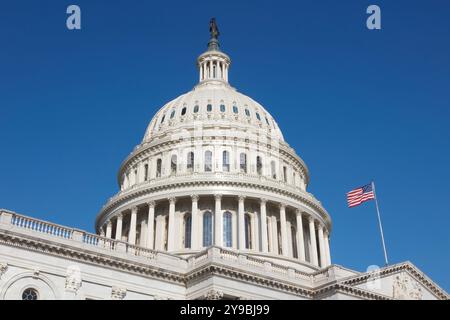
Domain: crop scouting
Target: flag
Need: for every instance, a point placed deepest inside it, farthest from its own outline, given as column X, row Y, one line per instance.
column 360, row 195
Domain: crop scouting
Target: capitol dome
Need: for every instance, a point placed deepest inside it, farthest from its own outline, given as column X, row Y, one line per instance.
column 213, row 169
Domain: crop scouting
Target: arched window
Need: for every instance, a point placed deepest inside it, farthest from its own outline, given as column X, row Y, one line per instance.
column 145, row 172
column 284, row 173
column 222, row 108
column 247, row 112
column 30, row 294
column 243, row 162
column 208, row 161
column 166, row 232
column 235, row 109
column 172, row 114
column 294, row 242
column 273, row 170
column 207, row 229
column 173, row 164
column 259, row 165
column 209, row 107
column 226, row 161
column 183, row 111
column 187, row 230
column 267, row 121
column 227, row 229
column 196, row 108
column 258, row 116
column 158, row 168
column 248, row 231
column 163, row 117
column 190, row 162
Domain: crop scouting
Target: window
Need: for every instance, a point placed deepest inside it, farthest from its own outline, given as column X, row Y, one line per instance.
column 172, row 114
column 190, row 161
column 166, row 232
column 267, row 121
column 158, row 168
column 226, row 161
column 273, row 170
column 222, row 108
column 145, row 172
column 227, row 229
column 248, row 231
column 196, row 108
column 173, row 164
column 247, row 112
column 208, row 161
column 243, row 162
column 30, row 294
column 258, row 116
column 163, row 117
column 209, row 107
column 183, row 111
column 294, row 242
column 235, row 109
column 207, row 229
column 258, row 165
column 187, row 230
column 284, row 174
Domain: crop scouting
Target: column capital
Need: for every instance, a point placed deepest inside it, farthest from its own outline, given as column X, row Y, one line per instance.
column 172, row 200
column 108, row 223
column 151, row 203
column 320, row 226
column 217, row 196
column 134, row 209
column 195, row 197
column 119, row 216
column 102, row 232
column 298, row 212
column 311, row 219
column 241, row 198
column 263, row 201
column 282, row 205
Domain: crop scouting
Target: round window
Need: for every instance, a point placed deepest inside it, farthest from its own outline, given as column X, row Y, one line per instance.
column 30, row 294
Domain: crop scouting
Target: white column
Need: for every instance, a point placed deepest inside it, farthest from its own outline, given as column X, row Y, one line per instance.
column 327, row 247
column 108, row 229
column 300, row 239
column 264, row 244
column 283, row 226
column 241, row 223
column 132, row 231
column 323, row 261
column 119, row 226
column 171, row 228
column 151, row 225
column 218, row 221
column 195, row 235
column 142, row 235
column 312, row 235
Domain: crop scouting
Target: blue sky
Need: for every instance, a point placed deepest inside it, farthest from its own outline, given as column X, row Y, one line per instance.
column 355, row 104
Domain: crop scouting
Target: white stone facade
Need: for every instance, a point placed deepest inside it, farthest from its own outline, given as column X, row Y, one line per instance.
column 213, row 204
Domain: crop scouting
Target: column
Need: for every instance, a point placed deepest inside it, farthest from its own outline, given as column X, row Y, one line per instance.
column 275, row 235
column 195, row 235
column 119, row 226
column 218, row 221
column 241, row 223
column 323, row 261
column 300, row 239
column 108, row 229
column 327, row 247
column 171, row 228
column 284, row 238
column 143, row 236
column 150, row 225
column 312, row 235
column 219, row 70
column 264, row 244
column 132, row 231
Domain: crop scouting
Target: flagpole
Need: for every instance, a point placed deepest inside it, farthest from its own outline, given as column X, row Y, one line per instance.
column 379, row 223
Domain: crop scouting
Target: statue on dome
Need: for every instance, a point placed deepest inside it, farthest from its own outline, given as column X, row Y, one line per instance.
column 213, row 29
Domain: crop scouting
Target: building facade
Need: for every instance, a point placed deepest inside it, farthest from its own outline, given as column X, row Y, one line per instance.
column 212, row 204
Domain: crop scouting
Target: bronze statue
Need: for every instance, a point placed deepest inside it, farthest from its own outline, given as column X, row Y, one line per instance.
column 213, row 29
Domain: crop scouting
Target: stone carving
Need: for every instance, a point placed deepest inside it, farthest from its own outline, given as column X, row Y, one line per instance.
column 3, row 268
column 118, row 293
column 73, row 278
column 214, row 295
column 405, row 288
column 213, row 29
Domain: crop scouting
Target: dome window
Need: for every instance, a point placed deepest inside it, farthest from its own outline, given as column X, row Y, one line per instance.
column 183, row 111
column 207, row 229
column 163, row 117
column 29, row 294
column 258, row 116
column 247, row 112
column 187, row 230
column 235, row 109
column 208, row 161
column 172, row 114
column 196, row 108
column 209, row 107
column 227, row 229
column 222, row 108
column 267, row 121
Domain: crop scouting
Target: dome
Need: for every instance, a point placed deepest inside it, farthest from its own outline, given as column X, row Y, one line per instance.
column 213, row 169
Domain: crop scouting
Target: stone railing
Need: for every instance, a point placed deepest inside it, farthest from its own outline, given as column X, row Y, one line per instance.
column 41, row 226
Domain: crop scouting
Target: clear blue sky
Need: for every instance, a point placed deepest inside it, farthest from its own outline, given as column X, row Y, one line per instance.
column 355, row 104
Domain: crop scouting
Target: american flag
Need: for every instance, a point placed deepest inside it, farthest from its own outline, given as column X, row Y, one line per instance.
column 360, row 195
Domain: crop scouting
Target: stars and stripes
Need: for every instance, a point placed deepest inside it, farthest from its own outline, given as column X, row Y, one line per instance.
column 360, row 195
